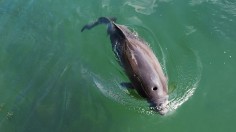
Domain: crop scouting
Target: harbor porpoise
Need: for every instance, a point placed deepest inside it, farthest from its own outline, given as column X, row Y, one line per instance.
column 139, row 62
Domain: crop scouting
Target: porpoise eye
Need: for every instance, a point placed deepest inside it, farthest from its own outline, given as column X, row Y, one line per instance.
column 154, row 88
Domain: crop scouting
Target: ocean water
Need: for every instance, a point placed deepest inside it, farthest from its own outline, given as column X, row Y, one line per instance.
column 53, row 78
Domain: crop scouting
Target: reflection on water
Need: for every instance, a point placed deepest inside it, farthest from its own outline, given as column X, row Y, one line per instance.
column 146, row 7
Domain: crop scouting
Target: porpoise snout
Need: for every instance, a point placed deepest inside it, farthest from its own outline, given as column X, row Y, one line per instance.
column 162, row 108
column 161, row 105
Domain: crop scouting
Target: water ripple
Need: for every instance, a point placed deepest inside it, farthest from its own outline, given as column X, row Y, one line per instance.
column 146, row 7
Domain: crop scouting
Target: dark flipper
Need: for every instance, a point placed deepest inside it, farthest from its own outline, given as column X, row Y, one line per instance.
column 101, row 20
column 131, row 90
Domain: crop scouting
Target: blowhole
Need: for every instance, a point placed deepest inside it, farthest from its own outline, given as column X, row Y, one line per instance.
column 154, row 88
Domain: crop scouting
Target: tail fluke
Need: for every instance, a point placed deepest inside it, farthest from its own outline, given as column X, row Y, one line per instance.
column 101, row 20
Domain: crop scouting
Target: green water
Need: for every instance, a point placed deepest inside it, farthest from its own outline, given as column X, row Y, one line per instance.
column 53, row 78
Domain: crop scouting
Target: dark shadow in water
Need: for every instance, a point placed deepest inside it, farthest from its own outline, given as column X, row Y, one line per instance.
column 131, row 90
column 127, row 85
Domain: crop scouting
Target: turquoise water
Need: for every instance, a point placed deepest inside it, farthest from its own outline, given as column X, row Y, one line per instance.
column 53, row 78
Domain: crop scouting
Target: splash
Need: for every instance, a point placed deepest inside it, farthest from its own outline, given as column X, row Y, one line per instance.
column 113, row 90
column 188, row 78
column 177, row 102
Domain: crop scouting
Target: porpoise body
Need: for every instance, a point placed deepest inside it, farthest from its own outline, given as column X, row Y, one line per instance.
column 139, row 62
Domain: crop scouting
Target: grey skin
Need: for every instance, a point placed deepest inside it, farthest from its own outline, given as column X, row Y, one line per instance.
column 139, row 62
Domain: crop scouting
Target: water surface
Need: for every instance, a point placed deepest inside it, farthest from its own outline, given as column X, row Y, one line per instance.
column 55, row 78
